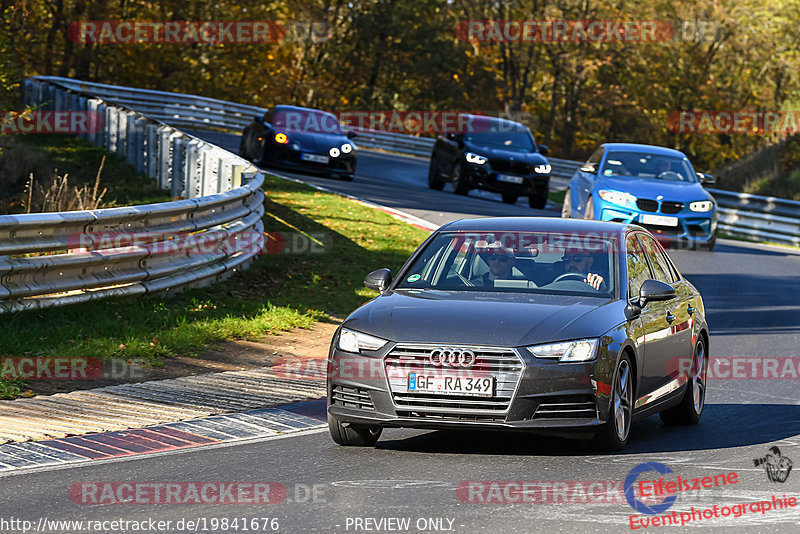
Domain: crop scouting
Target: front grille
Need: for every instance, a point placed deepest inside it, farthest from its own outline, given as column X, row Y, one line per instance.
column 671, row 208
column 646, row 204
column 502, row 363
column 516, row 167
column 567, row 407
column 350, row 397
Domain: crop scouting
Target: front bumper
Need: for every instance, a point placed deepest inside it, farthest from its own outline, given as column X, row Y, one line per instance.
column 485, row 177
column 292, row 159
column 530, row 394
column 692, row 227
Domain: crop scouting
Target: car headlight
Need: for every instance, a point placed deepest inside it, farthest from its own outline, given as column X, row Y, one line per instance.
column 281, row 138
column 569, row 351
column 352, row 341
column 474, row 158
column 334, row 152
column 617, row 197
column 347, row 148
column 701, row 206
column 543, row 169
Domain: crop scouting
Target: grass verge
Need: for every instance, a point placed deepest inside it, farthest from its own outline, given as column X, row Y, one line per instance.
column 278, row 292
column 44, row 153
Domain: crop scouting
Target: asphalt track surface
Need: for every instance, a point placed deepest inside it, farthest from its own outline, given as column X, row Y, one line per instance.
column 752, row 306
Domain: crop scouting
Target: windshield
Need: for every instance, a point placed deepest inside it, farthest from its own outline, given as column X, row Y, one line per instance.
column 521, row 262
column 646, row 165
column 515, row 141
column 307, row 121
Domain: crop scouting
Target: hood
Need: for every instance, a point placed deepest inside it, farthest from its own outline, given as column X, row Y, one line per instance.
column 479, row 318
column 653, row 187
column 317, row 142
column 532, row 158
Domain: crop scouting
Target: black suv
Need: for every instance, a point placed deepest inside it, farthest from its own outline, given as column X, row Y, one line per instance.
column 494, row 154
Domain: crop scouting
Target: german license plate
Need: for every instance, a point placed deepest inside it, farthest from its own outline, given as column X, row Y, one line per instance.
column 316, row 158
column 659, row 220
column 509, row 178
column 482, row 386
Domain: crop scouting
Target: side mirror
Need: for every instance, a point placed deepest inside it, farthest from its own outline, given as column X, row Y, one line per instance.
column 654, row 290
column 454, row 136
column 706, row 179
column 543, row 149
column 591, row 168
column 351, row 134
column 380, row 279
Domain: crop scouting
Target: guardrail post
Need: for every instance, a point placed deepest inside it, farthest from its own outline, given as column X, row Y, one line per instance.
column 177, row 178
column 111, row 128
column 122, row 132
column 83, row 107
column 192, row 163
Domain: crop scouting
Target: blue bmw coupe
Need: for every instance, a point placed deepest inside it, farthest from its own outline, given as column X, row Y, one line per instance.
column 651, row 186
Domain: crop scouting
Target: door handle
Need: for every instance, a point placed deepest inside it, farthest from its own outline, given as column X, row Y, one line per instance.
column 670, row 317
column 690, row 310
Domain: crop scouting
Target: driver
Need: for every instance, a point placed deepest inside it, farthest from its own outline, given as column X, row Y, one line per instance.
column 581, row 263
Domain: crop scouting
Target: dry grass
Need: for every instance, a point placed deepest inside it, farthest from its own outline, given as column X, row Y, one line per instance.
column 57, row 195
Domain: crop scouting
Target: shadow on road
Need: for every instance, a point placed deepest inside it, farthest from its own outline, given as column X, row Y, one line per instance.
column 723, row 426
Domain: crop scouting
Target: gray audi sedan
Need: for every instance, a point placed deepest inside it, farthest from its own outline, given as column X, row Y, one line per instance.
column 561, row 326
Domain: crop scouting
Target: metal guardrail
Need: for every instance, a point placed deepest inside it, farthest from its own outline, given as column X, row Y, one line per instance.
column 749, row 216
column 49, row 259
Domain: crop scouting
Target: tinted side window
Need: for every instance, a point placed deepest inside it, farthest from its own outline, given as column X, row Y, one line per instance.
column 658, row 264
column 638, row 271
column 596, row 156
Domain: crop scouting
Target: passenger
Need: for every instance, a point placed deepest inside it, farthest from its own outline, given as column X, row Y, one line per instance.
column 501, row 264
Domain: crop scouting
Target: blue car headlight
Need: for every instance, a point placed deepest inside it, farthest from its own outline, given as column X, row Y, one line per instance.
column 474, row 158
column 620, row 198
column 701, row 206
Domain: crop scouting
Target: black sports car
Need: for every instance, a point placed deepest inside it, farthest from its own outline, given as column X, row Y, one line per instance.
column 301, row 139
column 494, row 154
column 561, row 326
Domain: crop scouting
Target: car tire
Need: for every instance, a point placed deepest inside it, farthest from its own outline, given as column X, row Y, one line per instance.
column 689, row 411
column 589, row 213
column 434, row 181
column 614, row 435
column 243, row 147
column 353, row 436
column 538, row 200
column 460, row 185
column 509, row 198
column 566, row 207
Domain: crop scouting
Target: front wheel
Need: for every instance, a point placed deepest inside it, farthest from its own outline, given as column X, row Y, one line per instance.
column 354, row 436
column 615, row 433
column 434, row 180
column 689, row 411
column 538, row 200
column 460, row 185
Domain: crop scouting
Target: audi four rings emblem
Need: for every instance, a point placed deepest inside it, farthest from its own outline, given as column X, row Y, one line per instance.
column 453, row 357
